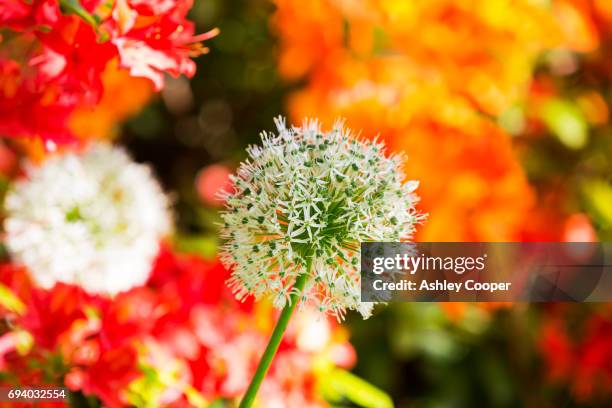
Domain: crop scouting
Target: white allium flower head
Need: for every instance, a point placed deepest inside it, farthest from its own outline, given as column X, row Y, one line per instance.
column 302, row 204
column 93, row 219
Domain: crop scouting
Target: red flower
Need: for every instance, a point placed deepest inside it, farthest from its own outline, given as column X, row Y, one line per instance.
column 31, row 109
column 558, row 350
column 584, row 362
column 184, row 323
column 153, row 38
column 19, row 15
column 53, row 62
column 110, row 375
column 70, row 62
column 593, row 373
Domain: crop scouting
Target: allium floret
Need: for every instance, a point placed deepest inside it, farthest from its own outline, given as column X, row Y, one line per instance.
column 302, row 204
column 94, row 219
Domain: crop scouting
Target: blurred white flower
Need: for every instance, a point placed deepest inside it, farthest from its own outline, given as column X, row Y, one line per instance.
column 302, row 204
column 94, row 219
column 313, row 333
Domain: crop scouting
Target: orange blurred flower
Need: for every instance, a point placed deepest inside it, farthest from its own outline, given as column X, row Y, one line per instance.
column 433, row 78
column 424, row 75
column 124, row 96
column 480, row 50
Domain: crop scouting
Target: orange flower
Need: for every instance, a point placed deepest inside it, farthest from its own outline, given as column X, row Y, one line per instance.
column 482, row 51
column 425, row 76
column 471, row 183
column 123, row 96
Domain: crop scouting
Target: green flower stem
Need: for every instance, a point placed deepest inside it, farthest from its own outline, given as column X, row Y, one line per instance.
column 75, row 7
column 275, row 339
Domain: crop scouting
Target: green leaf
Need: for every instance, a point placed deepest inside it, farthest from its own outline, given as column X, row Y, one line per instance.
column 24, row 343
column 567, row 122
column 343, row 384
column 10, row 301
column 197, row 400
column 513, row 120
column 598, row 194
column 203, row 245
column 220, row 403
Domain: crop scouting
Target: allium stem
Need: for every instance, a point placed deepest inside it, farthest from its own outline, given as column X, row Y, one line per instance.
column 275, row 339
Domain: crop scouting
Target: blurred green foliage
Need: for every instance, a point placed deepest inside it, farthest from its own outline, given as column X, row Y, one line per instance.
column 425, row 358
